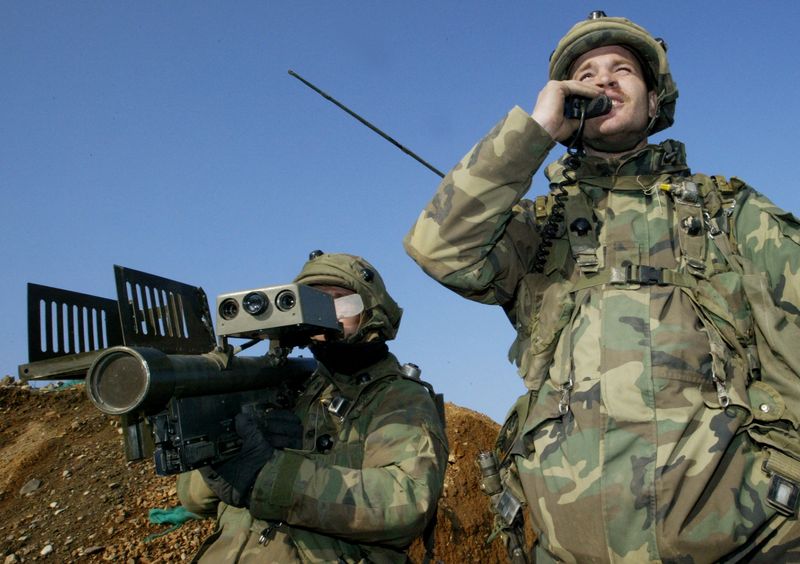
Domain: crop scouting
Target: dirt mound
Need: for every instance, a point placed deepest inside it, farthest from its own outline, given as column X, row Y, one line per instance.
column 67, row 493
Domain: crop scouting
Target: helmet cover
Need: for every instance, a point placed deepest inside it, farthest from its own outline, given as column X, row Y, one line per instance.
column 381, row 317
column 601, row 31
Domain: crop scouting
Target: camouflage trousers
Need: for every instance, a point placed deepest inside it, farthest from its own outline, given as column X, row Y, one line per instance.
column 777, row 543
column 589, row 531
column 589, row 503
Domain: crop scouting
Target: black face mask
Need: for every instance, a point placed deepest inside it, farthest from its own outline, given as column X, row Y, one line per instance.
column 348, row 358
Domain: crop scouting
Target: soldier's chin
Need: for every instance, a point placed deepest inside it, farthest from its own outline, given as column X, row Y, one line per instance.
column 614, row 143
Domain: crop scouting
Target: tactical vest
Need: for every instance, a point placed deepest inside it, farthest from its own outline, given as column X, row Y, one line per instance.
column 344, row 405
column 755, row 361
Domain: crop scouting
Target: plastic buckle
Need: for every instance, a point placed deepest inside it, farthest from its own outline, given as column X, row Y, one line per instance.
column 783, row 495
column 645, row 275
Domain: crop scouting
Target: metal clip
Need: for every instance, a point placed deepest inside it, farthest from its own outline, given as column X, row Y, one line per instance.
column 722, row 393
column 711, row 224
column 338, row 406
column 566, row 390
column 269, row 533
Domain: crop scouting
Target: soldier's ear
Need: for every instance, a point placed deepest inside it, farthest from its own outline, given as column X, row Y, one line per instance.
column 652, row 103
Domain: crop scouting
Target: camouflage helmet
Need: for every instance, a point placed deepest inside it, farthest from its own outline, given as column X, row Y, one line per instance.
column 381, row 317
column 600, row 30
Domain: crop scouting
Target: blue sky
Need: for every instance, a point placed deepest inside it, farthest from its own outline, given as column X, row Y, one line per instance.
column 169, row 138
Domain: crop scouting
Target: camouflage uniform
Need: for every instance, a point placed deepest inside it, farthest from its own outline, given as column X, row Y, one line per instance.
column 365, row 482
column 645, row 435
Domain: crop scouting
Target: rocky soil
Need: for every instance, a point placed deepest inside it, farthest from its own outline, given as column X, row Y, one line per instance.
column 68, row 495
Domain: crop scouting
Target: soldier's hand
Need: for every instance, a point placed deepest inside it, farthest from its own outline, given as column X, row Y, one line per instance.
column 232, row 480
column 282, row 428
column 549, row 109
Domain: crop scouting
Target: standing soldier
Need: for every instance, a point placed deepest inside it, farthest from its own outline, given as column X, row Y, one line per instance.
column 353, row 474
column 656, row 313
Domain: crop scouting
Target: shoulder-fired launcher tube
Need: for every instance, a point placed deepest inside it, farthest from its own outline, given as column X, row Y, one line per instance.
column 126, row 379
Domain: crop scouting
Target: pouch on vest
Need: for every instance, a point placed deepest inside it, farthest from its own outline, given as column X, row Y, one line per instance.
column 544, row 306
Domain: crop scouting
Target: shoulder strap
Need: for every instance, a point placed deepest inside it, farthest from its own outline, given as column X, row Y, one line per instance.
column 719, row 198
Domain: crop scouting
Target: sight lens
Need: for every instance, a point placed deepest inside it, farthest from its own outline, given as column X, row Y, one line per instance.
column 286, row 300
column 255, row 303
column 228, row 309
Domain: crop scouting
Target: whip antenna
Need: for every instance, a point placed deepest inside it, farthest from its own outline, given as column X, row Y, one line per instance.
column 407, row 151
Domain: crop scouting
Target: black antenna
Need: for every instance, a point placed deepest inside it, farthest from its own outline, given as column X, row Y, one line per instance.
column 368, row 124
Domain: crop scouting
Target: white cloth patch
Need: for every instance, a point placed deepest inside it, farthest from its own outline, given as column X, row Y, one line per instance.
column 348, row 306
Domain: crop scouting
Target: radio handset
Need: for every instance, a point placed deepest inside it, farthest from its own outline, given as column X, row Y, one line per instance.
column 575, row 106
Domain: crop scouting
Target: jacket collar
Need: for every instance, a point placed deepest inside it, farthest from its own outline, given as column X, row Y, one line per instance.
column 668, row 157
column 360, row 379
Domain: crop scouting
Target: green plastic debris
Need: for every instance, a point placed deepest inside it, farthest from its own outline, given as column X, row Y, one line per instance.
column 175, row 516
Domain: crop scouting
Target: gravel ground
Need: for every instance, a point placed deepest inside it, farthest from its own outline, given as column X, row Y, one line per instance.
column 68, row 495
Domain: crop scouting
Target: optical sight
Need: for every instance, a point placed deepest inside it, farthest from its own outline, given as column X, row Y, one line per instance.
column 276, row 312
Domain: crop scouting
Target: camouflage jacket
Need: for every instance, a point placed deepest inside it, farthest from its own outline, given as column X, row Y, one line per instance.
column 362, row 488
column 642, row 437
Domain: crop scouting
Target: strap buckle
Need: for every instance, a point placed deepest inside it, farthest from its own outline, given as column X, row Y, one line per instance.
column 638, row 274
column 783, row 495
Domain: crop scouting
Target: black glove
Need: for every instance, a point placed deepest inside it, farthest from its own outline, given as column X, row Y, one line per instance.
column 232, row 480
column 282, row 428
